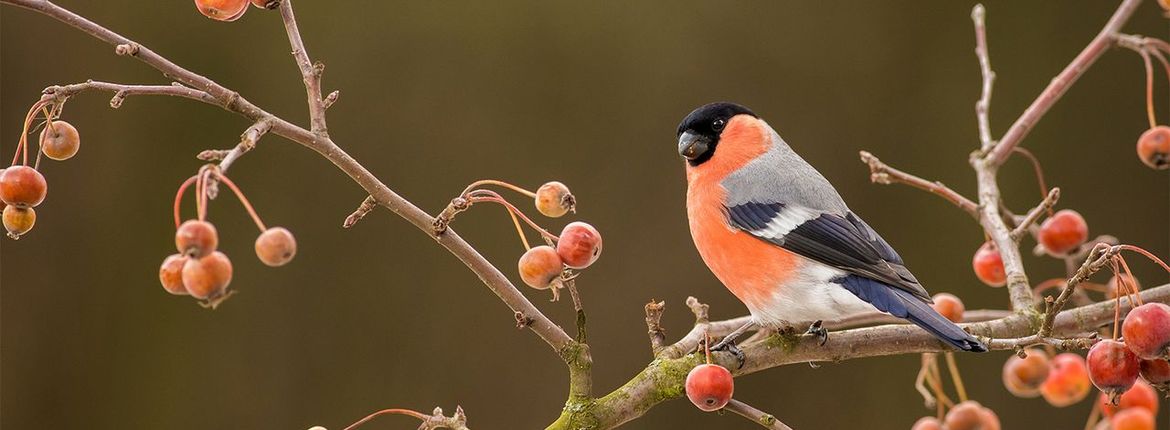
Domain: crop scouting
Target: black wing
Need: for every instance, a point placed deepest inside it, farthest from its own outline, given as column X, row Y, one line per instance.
column 844, row 242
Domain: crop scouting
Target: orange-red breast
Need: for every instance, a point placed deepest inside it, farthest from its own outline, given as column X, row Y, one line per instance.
column 780, row 238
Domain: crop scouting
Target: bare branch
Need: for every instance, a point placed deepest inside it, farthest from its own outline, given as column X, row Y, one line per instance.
column 1035, row 214
column 881, row 173
column 654, row 328
column 1098, row 257
column 121, row 91
column 983, row 106
column 311, row 73
column 757, row 416
column 436, row 420
column 362, row 210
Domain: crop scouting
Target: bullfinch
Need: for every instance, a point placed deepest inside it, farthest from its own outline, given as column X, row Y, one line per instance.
column 779, row 237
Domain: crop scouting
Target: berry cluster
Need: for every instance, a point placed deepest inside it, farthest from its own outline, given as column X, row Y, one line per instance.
column 964, row 414
column 546, row 266
column 22, row 187
column 199, row 269
column 231, row 10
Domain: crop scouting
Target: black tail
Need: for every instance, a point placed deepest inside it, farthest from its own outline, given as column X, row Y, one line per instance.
column 902, row 304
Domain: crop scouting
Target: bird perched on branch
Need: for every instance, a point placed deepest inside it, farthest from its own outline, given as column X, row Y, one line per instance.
column 777, row 234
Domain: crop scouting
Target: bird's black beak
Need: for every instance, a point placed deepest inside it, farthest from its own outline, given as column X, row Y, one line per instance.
column 692, row 146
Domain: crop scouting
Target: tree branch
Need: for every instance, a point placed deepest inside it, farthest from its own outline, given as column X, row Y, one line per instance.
column 311, row 73
column 1035, row 214
column 983, row 106
column 881, row 173
column 757, row 416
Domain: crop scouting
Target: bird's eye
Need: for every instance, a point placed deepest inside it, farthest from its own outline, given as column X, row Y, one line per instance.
column 718, row 124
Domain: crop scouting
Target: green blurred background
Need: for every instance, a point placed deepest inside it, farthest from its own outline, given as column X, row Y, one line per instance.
column 438, row 94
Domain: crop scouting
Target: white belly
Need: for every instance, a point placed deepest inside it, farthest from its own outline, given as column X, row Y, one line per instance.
column 809, row 297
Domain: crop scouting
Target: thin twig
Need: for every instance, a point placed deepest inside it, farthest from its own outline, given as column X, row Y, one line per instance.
column 654, row 311
column 983, row 105
column 757, row 416
column 367, row 206
column 309, row 72
column 881, row 173
column 1034, row 215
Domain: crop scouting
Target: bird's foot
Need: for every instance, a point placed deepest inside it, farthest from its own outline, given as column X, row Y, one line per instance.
column 728, row 345
column 818, row 329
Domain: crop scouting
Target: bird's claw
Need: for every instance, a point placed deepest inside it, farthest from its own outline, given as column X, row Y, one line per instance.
column 729, row 346
column 818, row 329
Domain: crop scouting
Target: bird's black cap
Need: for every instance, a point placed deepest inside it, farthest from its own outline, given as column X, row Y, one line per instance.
column 702, row 128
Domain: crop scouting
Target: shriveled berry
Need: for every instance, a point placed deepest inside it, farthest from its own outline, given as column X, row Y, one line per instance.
column 1133, row 419
column 1112, row 368
column 1157, row 372
column 266, row 4
column 222, row 10
column 276, row 246
column 1113, row 287
column 171, row 274
column 709, row 387
column 554, row 200
column 1067, row 382
column 196, row 238
column 60, row 141
column 1063, row 232
column 22, row 186
column 208, row 277
column 1147, row 330
column 949, row 306
column 540, row 266
column 579, row 245
column 18, row 220
column 1142, row 395
column 988, row 265
column 927, row 423
column 1023, row 376
column 1153, row 147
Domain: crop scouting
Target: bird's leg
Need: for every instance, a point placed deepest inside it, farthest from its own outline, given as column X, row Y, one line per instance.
column 818, row 329
column 728, row 343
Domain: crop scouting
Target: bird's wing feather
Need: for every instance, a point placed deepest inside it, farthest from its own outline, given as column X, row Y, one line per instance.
column 841, row 241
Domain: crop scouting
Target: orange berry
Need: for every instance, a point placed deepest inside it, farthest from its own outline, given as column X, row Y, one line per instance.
column 988, row 265
column 222, row 10
column 1113, row 288
column 208, row 277
column 171, row 274
column 949, row 306
column 1142, row 395
column 276, row 246
column 22, row 186
column 554, row 200
column 18, row 220
column 540, row 266
column 927, row 423
column 970, row 415
column 60, row 141
column 1153, row 147
column 1133, row 419
column 1067, row 382
column 196, row 238
column 579, row 245
column 1063, row 232
column 709, row 387
column 1023, row 376
column 1113, row 368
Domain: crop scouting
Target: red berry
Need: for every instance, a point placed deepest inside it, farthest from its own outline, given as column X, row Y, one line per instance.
column 208, row 277
column 554, row 200
column 196, row 238
column 1153, row 147
column 1133, row 419
column 276, row 246
column 709, row 386
column 579, row 245
column 1113, row 287
column 1142, row 395
column 1063, row 232
column 540, row 266
column 22, row 186
column 222, row 10
column 1067, row 382
column 949, row 306
column 266, row 4
column 60, row 141
column 1147, row 330
column 988, row 265
column 171, row 274
column 19, row 221
column 970, row 415
column 1156, row 372
column 927, row 423
column 1112, row 368
column 1023, row 376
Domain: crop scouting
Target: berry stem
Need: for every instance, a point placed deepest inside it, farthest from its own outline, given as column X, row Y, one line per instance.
column 243, row 199
column 1094, row 416
column 495, row 198
column 511, row 213
column 1039, row 172
column 1162, row 59
column 509, row 186
column 707, row 346
column 179, row 198
column 1147, row 254
column 955, row 377
column 408, row 412
column 1149, row 87
column 22, row 145
column 1131, row 291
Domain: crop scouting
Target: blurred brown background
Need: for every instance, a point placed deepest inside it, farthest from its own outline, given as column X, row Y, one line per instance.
column 437, row 94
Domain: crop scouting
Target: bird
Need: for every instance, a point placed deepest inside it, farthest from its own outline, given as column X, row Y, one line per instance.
column 777, row 234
